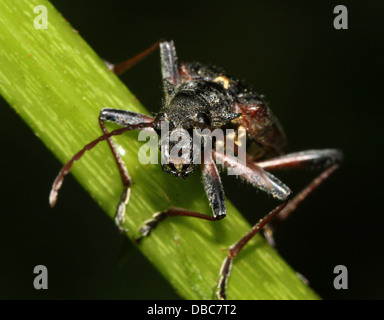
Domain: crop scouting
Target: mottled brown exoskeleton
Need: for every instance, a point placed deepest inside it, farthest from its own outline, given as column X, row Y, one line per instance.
column 198, row 96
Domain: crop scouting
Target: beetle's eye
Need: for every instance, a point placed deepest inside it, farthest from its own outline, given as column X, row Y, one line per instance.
column 202, row 118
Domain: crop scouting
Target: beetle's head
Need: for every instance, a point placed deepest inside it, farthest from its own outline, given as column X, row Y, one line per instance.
column 176, row 144
column 177, row 153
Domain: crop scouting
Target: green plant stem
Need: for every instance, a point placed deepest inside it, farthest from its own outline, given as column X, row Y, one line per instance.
column 58, row 85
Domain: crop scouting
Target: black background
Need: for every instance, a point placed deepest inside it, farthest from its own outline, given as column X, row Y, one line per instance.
column 324, row 85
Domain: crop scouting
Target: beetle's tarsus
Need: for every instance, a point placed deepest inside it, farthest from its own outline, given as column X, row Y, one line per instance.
column 225, row 271
column 150, row 224
column 120, row 212
column 53, row 197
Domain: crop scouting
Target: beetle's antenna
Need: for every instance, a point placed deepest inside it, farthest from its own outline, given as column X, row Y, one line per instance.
column 120, row 68
column 67, row 167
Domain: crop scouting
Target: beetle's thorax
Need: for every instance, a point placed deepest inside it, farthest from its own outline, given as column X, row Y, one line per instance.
column 193, row 99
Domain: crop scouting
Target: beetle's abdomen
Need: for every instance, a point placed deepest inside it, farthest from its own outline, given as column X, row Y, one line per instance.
column 265, row 135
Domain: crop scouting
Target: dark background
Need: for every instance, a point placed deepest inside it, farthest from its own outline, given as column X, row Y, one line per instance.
column 325, row 86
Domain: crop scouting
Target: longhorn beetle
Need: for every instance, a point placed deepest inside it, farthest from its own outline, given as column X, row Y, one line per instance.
column 198, row 96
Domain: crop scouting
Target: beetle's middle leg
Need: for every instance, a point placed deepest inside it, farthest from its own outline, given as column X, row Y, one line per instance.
column 124, row 118
column 152, row 223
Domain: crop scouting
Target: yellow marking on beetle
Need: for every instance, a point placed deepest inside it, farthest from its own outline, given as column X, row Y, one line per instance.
column 224, row 80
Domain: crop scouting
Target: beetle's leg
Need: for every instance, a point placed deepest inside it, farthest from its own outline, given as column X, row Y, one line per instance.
column 125, row 178
column 328, row 158
column 120, row 68
column 215, row 193
column 234, row 250
column 214, row 189
column 254, row 174
column 151, row 224
column 67, row 167
column 169, row 64
column 123, row 118
column 309, row 158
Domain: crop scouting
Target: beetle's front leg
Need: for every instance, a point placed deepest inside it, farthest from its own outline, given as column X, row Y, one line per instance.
column 215, row 193
column 123, row 118
column 57, row 184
